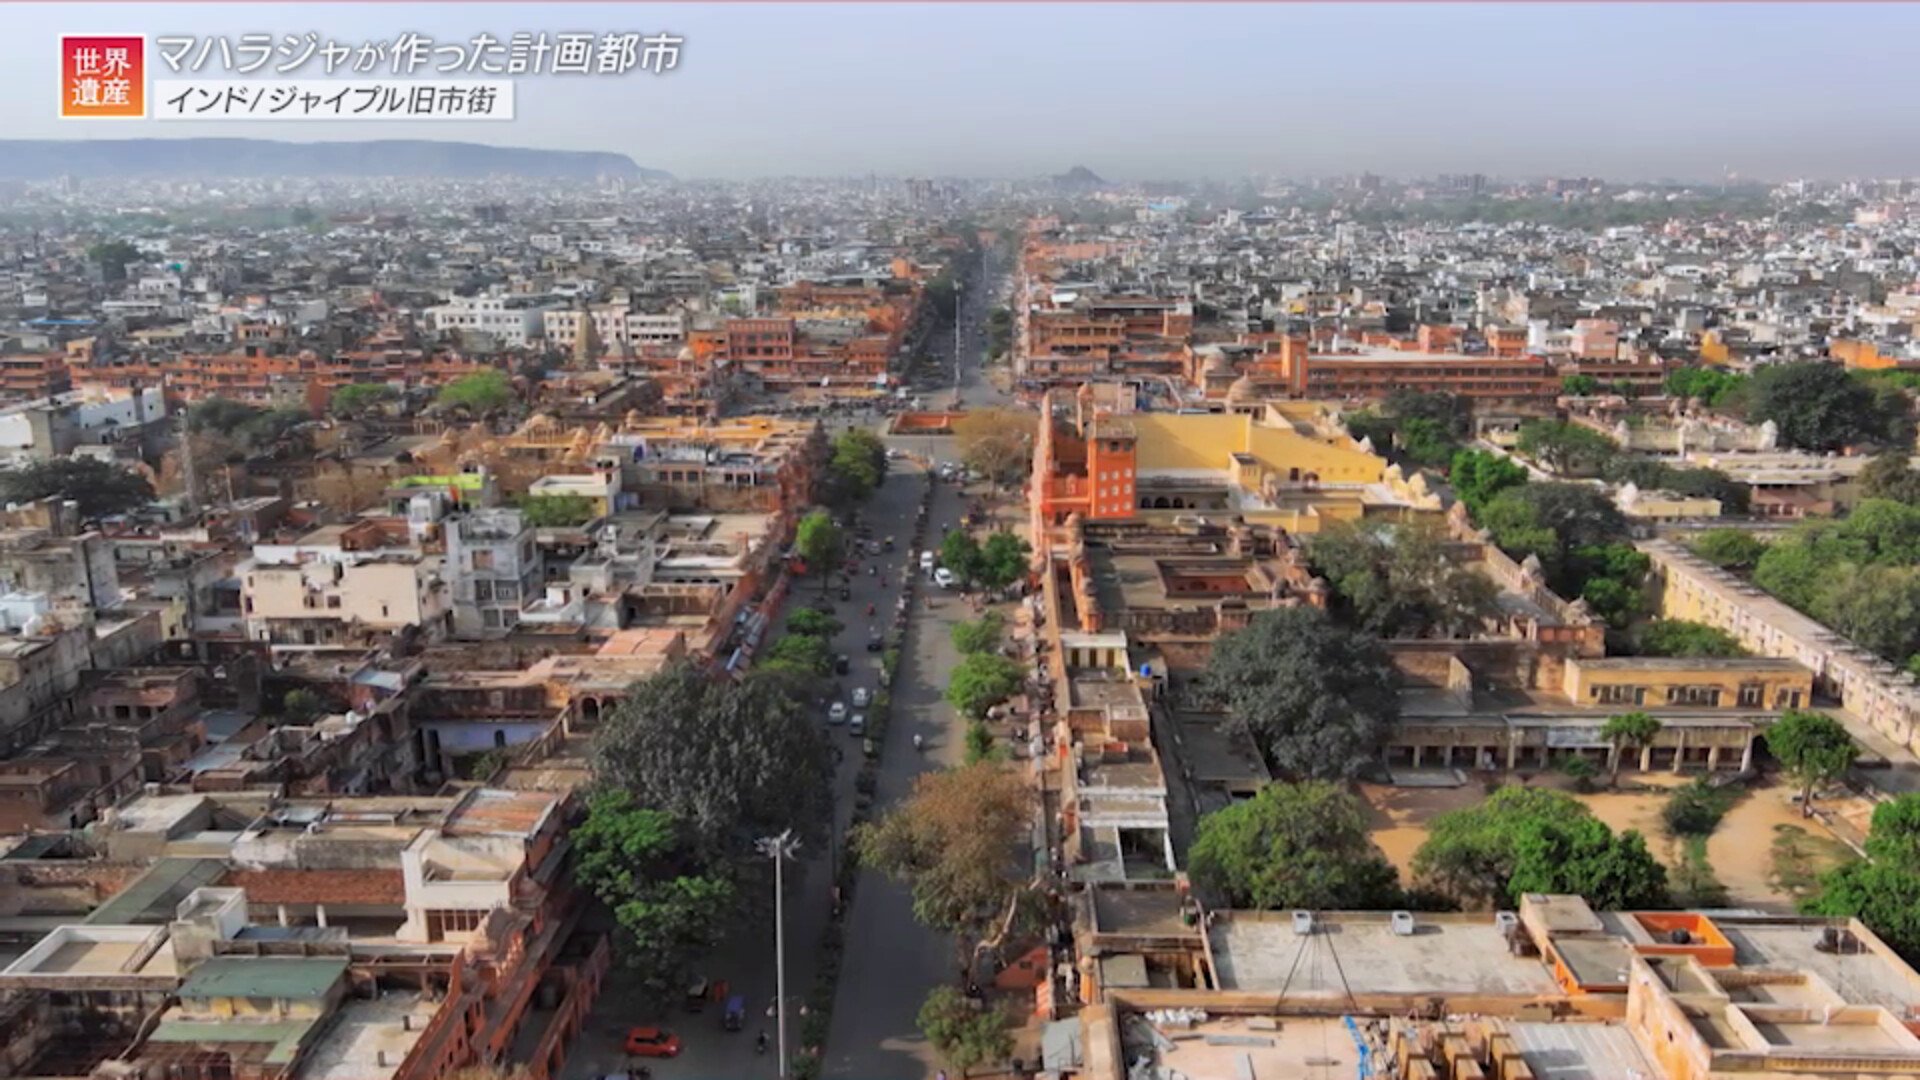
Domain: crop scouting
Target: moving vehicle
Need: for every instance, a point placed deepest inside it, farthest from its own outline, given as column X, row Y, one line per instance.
column 887, row 545
column 861, row 696
column 842, row 664
column 652, row 1042
column 926, row 562
column 846, row 593
column 697, row 992
column 945, row 578
column 837, row 713
column 735, row 1014
column 859, row 725
column 875, row 642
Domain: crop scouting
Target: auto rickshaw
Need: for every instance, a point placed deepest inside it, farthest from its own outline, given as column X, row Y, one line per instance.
column 697, row 994
column 735, row 1014
column 870, row 748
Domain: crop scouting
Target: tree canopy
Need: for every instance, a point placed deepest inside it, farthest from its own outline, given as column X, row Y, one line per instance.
column 477, row 393
column 361, row 399
column 1818, row 406
column 671, row 906
column 1813, row 748
column 1882, row 890
column 1293, row 846
column 1859, row 575
column 964, row 1033
column 818, row 541
column 996, row 443
column 982, row 680
column 1584, row 857
column 102, row 489
column 1397, row 580
column 961, row 554
column 1471, row 854
column 1478, row 475
column 1729, row 549
column 563, row 511
column 982, row 635
column 1003, row 560
column 1318, row 699
column 1565, row 448
column 1891, row 475
column 959, row 843
column 857, row 466
column 1629, row 731
column 1710, row 386
column 1679, row 637
column 730, row 761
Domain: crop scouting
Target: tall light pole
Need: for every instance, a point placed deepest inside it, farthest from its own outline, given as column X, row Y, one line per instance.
column 780, row 849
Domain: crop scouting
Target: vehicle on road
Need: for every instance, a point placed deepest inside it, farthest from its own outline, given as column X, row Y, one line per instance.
column 875, row 642
column 846, row 592
column 842, row 664
column 861, row 697
column 926, row 562
column 887, row 545
column 945, row 578
column 837, row 713
column 735, row 1014
column 652, row 1042
column 697, row 992
column 858, row 726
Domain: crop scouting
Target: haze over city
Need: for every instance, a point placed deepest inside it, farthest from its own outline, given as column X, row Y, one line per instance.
column 1140, row 91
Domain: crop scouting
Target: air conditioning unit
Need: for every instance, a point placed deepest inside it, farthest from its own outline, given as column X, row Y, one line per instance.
column 1303, row 922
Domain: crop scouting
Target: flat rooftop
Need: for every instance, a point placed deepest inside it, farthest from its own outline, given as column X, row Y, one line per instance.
column 369, row 1039
column 1445, row 955
column 1581, row 1051
column 1863, row 978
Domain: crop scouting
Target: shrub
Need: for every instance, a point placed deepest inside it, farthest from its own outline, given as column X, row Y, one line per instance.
column 1696, row 809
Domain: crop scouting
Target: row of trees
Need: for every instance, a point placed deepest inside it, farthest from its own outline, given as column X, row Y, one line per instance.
column 996, row 564
column 1572, row 449
column 1816, row 406
column 1859, row 575
column 1306, row 845
column 1417, row 429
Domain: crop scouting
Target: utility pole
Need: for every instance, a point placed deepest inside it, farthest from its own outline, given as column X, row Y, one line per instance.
column 779, row 849
column 959, row 302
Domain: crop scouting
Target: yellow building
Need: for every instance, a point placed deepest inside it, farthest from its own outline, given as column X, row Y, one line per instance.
column 1747, row 682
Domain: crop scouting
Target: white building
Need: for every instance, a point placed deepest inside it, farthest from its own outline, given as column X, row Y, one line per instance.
column 512, row 321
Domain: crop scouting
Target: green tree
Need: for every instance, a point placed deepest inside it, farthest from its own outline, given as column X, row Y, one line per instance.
column 478, row 393
column 1891, row 475
column 1584, row 857
column 1631, row 730
column 813, row 623
column 670, row 907
column 361, row 399
column 980, row 745
column 564, row 511
column 1579, row 385
column 1679, row 637
column 983, row 635
column 1729, row 549
column 113, row 257
column 959, row 842
column 960, row 553
column 1709, row 385
column 1875, row 607
column 1565, row 448
column 1398, row 580
column 1882, row 890
column 964, row 1033
column 1611, row 578
column 800, row 653
column 1453, row 413
column 1425, row 443
column 1813, row 748
column 1318, row 699
column 818, row 541
column 1478, row 475
column 301, row 706
column 1817, row 406
column 1003, row 560
column 102, row 489
column 1293, row 846
column 1553, row 521
column 982, row 680
column 1470, row 854
column 858, row 464
column 729, row 761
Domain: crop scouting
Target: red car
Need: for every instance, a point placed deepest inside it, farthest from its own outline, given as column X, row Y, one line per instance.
column 652, row 1042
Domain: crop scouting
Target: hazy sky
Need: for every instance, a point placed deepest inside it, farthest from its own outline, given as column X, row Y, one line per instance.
column 1134, row 91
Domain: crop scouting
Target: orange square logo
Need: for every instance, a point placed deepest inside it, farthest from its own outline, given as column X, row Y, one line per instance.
column 103, row 77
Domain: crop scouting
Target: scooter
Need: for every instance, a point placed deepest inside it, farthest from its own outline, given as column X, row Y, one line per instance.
column 760, row 1043
column 869, row 609
column 918, row 743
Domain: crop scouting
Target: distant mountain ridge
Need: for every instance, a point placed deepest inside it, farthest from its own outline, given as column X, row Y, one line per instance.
column 45, row 159
column 1079, row 177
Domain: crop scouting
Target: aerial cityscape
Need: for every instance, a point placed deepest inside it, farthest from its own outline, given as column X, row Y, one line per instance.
column 540, row 601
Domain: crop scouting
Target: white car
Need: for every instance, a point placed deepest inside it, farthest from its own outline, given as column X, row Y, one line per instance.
column 861, row 697
column 945, row 578
column 926, row 562
column 859, row 725
column 837, row 714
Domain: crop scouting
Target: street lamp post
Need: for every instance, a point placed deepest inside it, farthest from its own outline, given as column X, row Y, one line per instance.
column 779, row 849
column 959, row 302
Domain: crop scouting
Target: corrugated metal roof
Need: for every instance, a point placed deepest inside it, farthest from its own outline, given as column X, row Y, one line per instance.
column 287, row 978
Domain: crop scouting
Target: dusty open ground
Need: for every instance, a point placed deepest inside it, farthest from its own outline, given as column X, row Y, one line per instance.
column 1755, row 853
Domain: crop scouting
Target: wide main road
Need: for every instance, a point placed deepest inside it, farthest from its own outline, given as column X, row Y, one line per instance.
column 892, row 961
